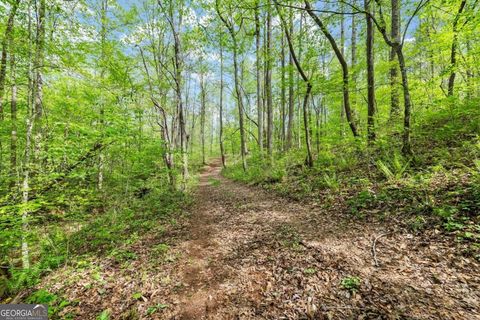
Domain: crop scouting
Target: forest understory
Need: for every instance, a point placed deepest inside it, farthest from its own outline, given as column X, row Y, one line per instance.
column 241, row 252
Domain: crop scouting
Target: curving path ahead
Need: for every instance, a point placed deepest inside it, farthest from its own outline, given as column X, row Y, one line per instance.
column 243, row 253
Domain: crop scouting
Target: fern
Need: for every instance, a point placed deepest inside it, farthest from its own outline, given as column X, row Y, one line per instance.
column 395, row 170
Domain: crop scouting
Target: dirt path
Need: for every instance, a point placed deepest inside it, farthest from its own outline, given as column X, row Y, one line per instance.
column 247, row 254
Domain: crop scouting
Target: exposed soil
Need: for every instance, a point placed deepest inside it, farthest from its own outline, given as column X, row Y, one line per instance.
column 244, row 253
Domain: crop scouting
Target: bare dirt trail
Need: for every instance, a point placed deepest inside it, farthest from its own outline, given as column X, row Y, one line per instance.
column 244, row 253
column 253, row 255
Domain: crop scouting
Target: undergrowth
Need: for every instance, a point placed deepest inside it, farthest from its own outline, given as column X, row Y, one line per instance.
column 101, row 234
column 437, row 188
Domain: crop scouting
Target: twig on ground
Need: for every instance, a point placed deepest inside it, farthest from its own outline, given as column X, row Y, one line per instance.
column 374, row 244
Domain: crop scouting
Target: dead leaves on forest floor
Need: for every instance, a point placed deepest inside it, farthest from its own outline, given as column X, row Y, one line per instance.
column 247, row 254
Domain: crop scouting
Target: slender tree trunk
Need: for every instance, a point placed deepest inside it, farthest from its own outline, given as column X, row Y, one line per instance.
column 309, row 159
column 298, row 84
column 395, row 36
column 7, row 40
column 222, row 148
column 353, row 63
column 259, row 79
column 370, row 75
column 38, row 81
column 407, row 147
column 3, row 60
column 178, row 68
column 283, row 95
column 13, row 120
column 453, row 50
column 268, row 81
column 398, row 47
column 342, row 50
column 25, row 191
column 231, row 31
column 291, row 98
column 103, row 40
column 343, row 63
column 243, row 147
column 318, row 125
column 202, row 115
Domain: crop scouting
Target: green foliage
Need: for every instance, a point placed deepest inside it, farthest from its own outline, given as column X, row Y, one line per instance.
column 121, row 255
column 351, row 283
column 137, row 296
column 153, row 309
column 55, row 303
column 104, row 315
column 395, row 168
column 363, row 200
column 288, row 237
column 418, row 223
column 310, row 271
column 214, row 182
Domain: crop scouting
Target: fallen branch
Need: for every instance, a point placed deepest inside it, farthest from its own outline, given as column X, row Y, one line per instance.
column 374, row 244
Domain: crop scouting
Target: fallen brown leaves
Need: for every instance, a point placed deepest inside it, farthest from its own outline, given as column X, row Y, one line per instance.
column 247, row 254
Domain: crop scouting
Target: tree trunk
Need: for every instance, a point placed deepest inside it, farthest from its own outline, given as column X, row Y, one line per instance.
column 395, row 35
column 309, row 159
column 354, row 59
column 202, row 116
column 258, row 65
column 453, row 51
column 103, row 39
column 283, row 95
column 370, row 75
column 243, row 147
column 231, row 31
column 13, row 120
column 38, row 81
column 268, row 81
column 291, row 98
column 178, row 67
column 342, row 50
column 343, row 63
column 407, row 147
column 6, row 42
column 222, row 148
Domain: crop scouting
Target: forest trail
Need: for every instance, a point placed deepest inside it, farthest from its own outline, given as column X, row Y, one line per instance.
column 244, row 253
column 255, row 255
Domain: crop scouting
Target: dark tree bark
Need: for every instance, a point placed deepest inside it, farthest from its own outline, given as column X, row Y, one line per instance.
column 291, row 98
column 453, row 50
column 395, row 36
column 370, row 75
column 259, row 80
